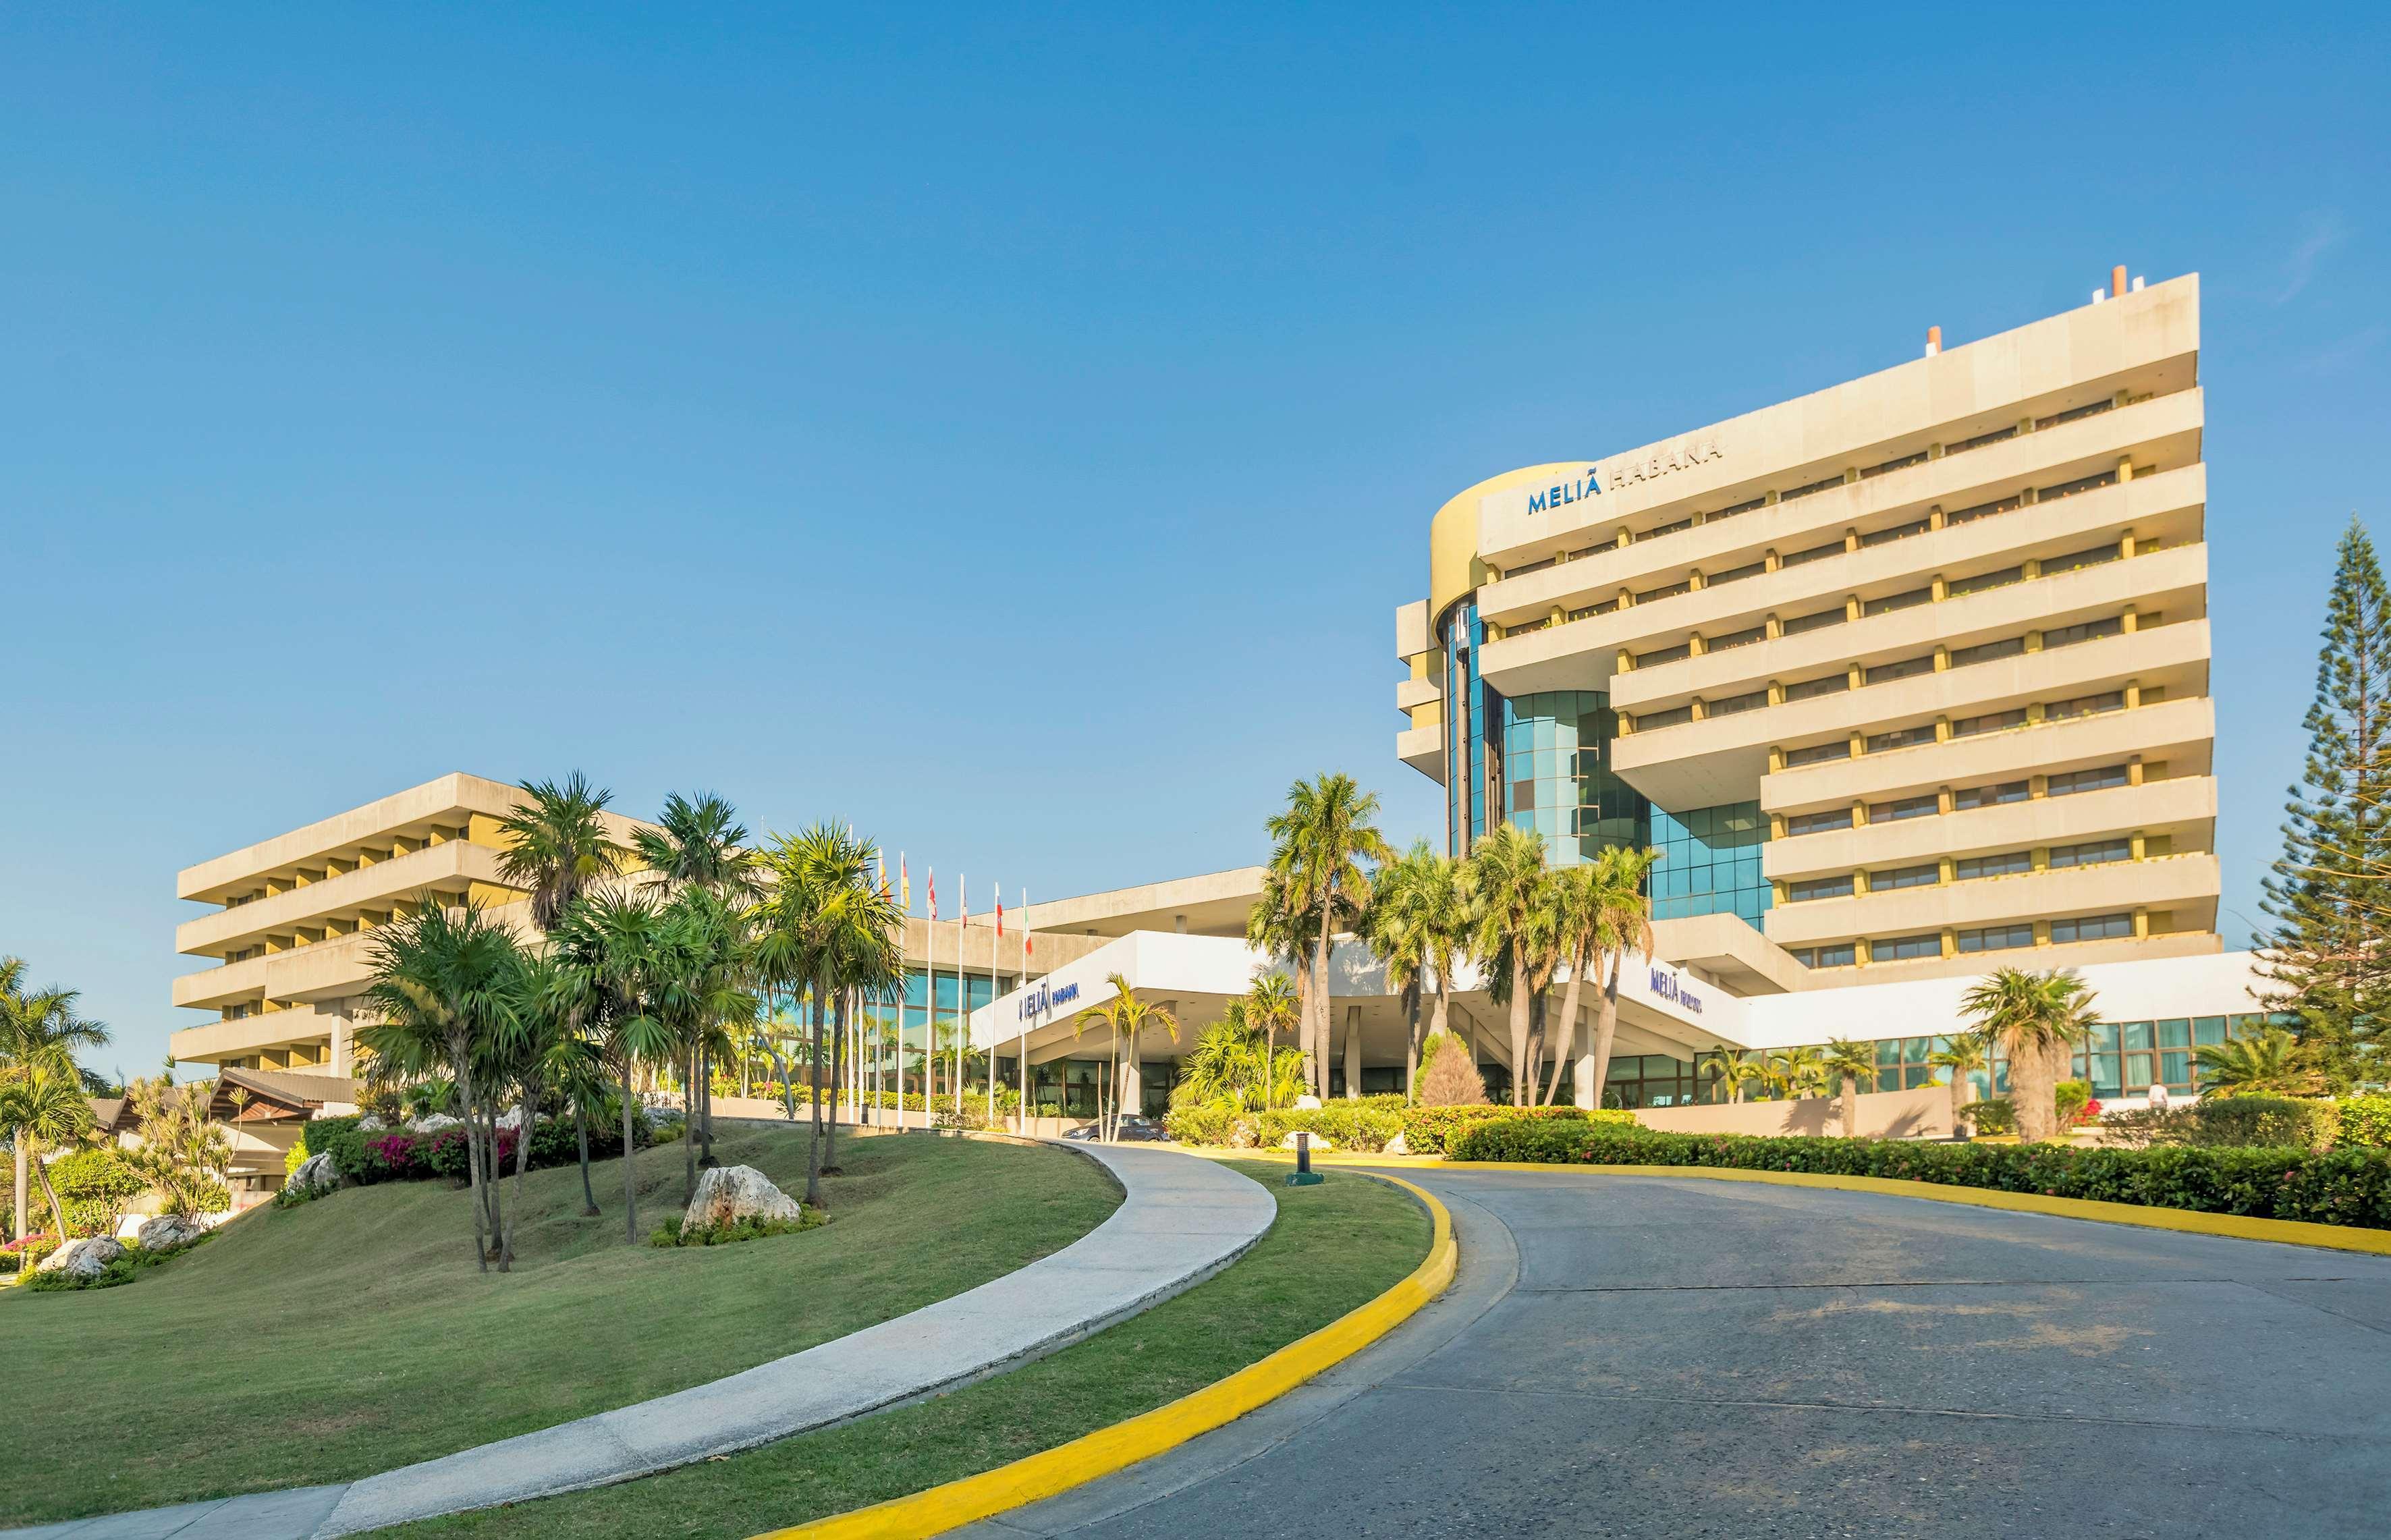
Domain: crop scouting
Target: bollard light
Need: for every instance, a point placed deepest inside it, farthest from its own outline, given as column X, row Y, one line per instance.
column 1303, row 1175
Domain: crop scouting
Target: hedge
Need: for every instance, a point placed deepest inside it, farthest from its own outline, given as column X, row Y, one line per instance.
column 1430, row 1129
column 2365, row 1122
column 2347, row 1186
column 1365, row 1126
column 366, row 1156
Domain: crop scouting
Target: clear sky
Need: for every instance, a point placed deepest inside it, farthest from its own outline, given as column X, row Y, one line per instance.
column 1013, row 436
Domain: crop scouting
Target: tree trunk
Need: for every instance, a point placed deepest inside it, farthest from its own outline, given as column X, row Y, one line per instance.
column 23, row 1196
column 705, row 1101
column 2030, row 1092
column 1851, row 1107
column 1567, row 1039
column 1411, row 1058
column 581, row 1138
column 837, row 1082
column 1317, row 1069
column 688, row 1116
column 472, row 1150
column 630, row 1175
column 788, row 1090
column 1606, row 1027
column 523, row 1162
column 814, row 1077
column 494, row 1176
column 58, row 1210
column 1521, row 1070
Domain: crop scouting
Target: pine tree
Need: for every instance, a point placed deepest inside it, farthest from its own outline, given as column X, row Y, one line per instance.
column 2330, row 894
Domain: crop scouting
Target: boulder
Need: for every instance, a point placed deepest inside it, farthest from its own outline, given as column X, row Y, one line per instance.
column 167, row 1231
column 1397, row 1146
column 435, row 1123
column 315, row 1174
column 510, row 1119
column 1318, row 1143
column 370, row 1124
column 83, row 1259
column 728, row 1193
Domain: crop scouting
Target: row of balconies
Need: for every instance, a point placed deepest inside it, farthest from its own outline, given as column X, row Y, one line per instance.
column 341, row 901
column 2181, row 808
column 2183, row 886
column 2159, row 512
column 2161, row 433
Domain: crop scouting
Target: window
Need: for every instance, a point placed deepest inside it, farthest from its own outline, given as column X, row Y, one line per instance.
column 1819, row 485
column 2098, row 852
column 1525, row 568
column 1990, row 796
column 2072, row 414
column 1813, row 823
column 2097, row 927
column 2083, row 705
column 2087, row 779
column 1818, row 754
column 1752, row 700
column 1892, row 601
column 2008, row 864
column 1824, row 618
column 1908, row 806
column 1998, row 436
column 1734, row 574
column 1819, row 887
column 1744, row 638
column 1686, row 522
column 1815, row 553
column 2080, row 484
column 1900, row 737
column 1886, row 672
column 1902, row 947
column 1666, row 591
column 1744, row 507
column 1926, row 875
column 1666, row 655
column 1903, row 462
column 1985, row 510
column 1841, row 956
column 1984, row 580
column 1991, row 721
column 1988, row 651
column 2090, row 631
column 2075, row 559
column 1603, row 608
column 1996, row 937
column 1808, row 689
column 1674, row 717
column 1898, row 532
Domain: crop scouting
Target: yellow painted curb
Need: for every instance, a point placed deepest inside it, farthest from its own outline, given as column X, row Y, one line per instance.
column 2290, row 1232
column 1083, row 1459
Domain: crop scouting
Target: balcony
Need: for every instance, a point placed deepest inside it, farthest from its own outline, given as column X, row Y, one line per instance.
column 2188, row 883
column 2184, row 807
column 326, row 970
column 1717, row 759
column 1423, row 749
column 449, row 867
column 2162, row 433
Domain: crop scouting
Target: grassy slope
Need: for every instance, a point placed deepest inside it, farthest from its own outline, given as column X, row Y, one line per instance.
column 1333, row 1247
column 351, row 1335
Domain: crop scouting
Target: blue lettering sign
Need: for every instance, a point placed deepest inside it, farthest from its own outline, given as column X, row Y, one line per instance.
column 1566, row 492
column 1665, row 985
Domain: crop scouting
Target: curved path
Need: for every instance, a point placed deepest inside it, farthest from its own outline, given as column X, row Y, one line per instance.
column 1181, row 1220
column 1657, row 1356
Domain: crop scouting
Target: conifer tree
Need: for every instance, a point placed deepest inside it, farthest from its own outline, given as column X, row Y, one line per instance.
column 2330, row 894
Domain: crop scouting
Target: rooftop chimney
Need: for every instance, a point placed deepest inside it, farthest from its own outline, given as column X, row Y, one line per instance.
column 1934, row 341
column 2117, row 283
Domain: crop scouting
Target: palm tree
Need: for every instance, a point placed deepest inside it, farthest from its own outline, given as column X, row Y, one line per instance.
column 1272, row 1006
column 1964, row 1055
column 445, row 983
column 558, row 846
column 44, row 1106
column 1622, row 919
column 1734, row 1070
column 1850, row 1063
column 1514, row 931
column 1798, row 1072
column 1577, row 933
column 1124, row 1016
column 1318, row 844
column 2268, row 1064
column 38, row 1026
column 1225, row 1064
column 699, row 842
column 612, row 947
column 1394, row 927
column 703, row 963
column 183, row 1155
column 2035, row 1018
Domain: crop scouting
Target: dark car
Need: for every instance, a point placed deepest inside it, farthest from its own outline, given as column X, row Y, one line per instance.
column 1129, row 1131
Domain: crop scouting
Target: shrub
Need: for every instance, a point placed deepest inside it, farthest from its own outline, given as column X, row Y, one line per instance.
column 1447, row 1078
column 2072, row 1098
column 93, row 1187
column 672, row 1232
column 2271, row 1121
column 1996, row 1115
column 2350, row 1187
column 2365, row 1122
column 295, row 1157
column 1201, row 1122
column 1549, row 1140
column 1347, row 1125
column 123, row 1270
column 398, row 1155
column 1430, row 1129
column 20, row 1256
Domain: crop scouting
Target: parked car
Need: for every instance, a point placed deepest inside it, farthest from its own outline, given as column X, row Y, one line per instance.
column 1130, row 1131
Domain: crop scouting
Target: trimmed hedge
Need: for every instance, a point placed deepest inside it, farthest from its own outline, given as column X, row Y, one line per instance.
column 2365, row 1122
column 363, row 1157
column 1431, row 1129
column 2348, row 1186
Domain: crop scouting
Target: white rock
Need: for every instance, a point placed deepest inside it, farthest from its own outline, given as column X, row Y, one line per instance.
column 315, row 1174
column 1318, row 1141
column 82, row 1258
column 1397, row 1146
column 510, row 1118
column 370, row 1124
column 1307, row 1103
column 434, row 1123
column 726, row 1194
column 169, row 1230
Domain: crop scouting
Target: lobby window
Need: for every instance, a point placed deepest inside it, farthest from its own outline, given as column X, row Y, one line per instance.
column 2098, row 852
column 1710, row 863
column 1996, row 937
column 1819, row 887
column 1839, row 957
column 1902, row 947
column 2099, row 780
column 2008, row 863
column 1991, row 796
column 2095, row 927
column 1925, row 875
column 1818, row 823
column 1908, row 806
column 1901, row 1063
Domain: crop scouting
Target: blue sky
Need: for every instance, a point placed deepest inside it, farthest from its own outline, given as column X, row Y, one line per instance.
column 1011, row 434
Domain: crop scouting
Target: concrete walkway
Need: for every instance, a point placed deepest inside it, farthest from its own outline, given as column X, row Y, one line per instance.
column 1182, row 1220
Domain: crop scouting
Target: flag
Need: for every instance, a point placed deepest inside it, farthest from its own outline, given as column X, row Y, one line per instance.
column 905, row 881
column 999, row 911
column 880, row 869
column 962, row 898
column 1029, row 937
column 934, row 892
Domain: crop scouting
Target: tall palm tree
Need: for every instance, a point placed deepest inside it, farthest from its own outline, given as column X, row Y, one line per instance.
column 612, row 947
column 38, row 1026
column 2266, row 1064
column 1124, row 1017
column 1515, row 932
column 1850, row 1063
column 1622, row 921
column 1962, row 1055
column 1394, row 929
column 1317, row 846
column 446, row 982
column 699, row 842
column 703, row 966
column 2037, row 1019
column 1575, row 898
column 43, row 1104
column 557, row 845
column 1272, row 1006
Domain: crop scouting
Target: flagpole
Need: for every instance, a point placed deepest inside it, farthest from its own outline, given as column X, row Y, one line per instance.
column 992, row 941
column 1025, row 1020
column 963, row 904
column 905, row 879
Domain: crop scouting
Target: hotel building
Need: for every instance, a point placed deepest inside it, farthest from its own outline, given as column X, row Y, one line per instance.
column 1906, row 679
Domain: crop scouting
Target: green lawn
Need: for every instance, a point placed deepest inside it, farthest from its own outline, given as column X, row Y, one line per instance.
column 1333, row 1247
column 353, row 1335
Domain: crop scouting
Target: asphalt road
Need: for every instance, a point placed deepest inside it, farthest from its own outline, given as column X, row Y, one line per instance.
column 1698, row 1359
